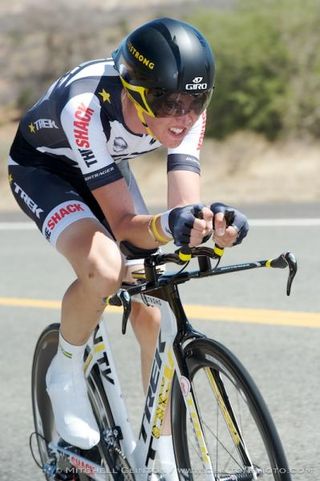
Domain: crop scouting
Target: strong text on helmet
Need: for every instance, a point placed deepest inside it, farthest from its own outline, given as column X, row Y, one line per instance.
column 141, row 58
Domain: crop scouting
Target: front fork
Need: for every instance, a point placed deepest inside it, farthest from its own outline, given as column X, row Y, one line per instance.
column 190, row 402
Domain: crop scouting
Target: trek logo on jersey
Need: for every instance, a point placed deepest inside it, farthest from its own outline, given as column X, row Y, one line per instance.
column 141, row 58
column 82, row 116
column 35, row 209
column 197, row 85
column 42, row 124
column 66, row 210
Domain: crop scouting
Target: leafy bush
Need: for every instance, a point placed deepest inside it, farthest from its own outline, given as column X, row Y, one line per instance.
column 268, row 67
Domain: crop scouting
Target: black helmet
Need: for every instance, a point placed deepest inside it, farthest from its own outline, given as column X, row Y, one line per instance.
column 167, row 67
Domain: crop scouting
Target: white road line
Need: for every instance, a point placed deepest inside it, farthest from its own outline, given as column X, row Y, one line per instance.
column 17, row 226
column 284, row 222
column 308, row 222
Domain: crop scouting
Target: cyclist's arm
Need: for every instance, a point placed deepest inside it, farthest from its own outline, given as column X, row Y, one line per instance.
column 183, row 188
column 81, row 120
column 117, row 205
column 184, row 167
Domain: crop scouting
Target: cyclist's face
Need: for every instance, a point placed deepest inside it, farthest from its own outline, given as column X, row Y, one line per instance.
column 170, row 131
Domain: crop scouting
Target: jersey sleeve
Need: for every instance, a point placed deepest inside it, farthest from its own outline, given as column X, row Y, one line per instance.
column 81, row 121
column 186, row 156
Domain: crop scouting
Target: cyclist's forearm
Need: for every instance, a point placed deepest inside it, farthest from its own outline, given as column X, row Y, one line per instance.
column 183, row 188
column 143, row 231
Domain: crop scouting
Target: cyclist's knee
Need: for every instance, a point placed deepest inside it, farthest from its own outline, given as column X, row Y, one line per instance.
column 104, row 271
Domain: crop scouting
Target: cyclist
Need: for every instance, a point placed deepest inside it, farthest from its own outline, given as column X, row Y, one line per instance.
column 69, row 172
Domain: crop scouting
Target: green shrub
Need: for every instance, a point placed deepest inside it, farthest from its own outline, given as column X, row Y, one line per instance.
column 268, row 66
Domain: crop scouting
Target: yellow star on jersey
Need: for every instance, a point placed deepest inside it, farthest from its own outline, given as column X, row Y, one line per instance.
column 32, row 128
column 105, row 96
column 10, row 179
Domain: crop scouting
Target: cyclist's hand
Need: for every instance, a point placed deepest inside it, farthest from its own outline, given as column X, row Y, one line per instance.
column 190, row 224
column 230, row 225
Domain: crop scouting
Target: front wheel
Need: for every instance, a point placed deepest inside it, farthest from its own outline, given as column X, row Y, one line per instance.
column 240, row 441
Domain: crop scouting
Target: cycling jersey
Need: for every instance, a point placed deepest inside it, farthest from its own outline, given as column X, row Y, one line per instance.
column 80, row 121
column 77, row 133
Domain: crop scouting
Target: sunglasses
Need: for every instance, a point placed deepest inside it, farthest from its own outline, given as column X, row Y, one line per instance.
column 163, row 103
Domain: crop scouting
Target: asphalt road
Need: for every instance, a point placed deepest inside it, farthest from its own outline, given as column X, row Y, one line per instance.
column 283, row 359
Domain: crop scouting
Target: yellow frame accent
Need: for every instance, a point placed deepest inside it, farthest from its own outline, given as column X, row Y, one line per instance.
column 232, row 429
column 198, row 430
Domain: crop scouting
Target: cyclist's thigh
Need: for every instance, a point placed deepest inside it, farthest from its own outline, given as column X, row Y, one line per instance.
column 64, row 218
column 91, row 252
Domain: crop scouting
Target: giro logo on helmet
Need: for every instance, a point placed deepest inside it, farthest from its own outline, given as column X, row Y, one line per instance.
column 141, row 58
column 196, row 85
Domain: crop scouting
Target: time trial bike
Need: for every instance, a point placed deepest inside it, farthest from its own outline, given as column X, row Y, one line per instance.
column 221, row 427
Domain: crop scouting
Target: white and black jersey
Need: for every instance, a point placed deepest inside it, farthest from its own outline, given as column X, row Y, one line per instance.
column 75, row 140
column 78, row 124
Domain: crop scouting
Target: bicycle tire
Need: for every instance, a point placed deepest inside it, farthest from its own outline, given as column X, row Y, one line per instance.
column 205, row 357
column 110, row 458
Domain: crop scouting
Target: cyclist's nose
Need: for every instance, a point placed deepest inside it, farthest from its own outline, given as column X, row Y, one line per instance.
column 188, row 119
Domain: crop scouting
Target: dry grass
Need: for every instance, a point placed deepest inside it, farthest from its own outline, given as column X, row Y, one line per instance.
column 244, row 169
column 7, row 133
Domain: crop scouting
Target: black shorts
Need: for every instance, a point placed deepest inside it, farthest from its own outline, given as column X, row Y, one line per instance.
column 54, row 200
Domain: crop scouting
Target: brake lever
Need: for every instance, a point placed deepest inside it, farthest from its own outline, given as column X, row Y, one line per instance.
column 287, row 259
column 121, row 298
column 293, row 267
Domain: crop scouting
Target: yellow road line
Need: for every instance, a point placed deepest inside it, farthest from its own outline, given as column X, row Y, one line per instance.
column 210, row 313
column 22, row 302
column 254, row 316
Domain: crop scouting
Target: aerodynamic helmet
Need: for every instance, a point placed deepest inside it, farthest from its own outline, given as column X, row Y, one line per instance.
column 167, row 68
